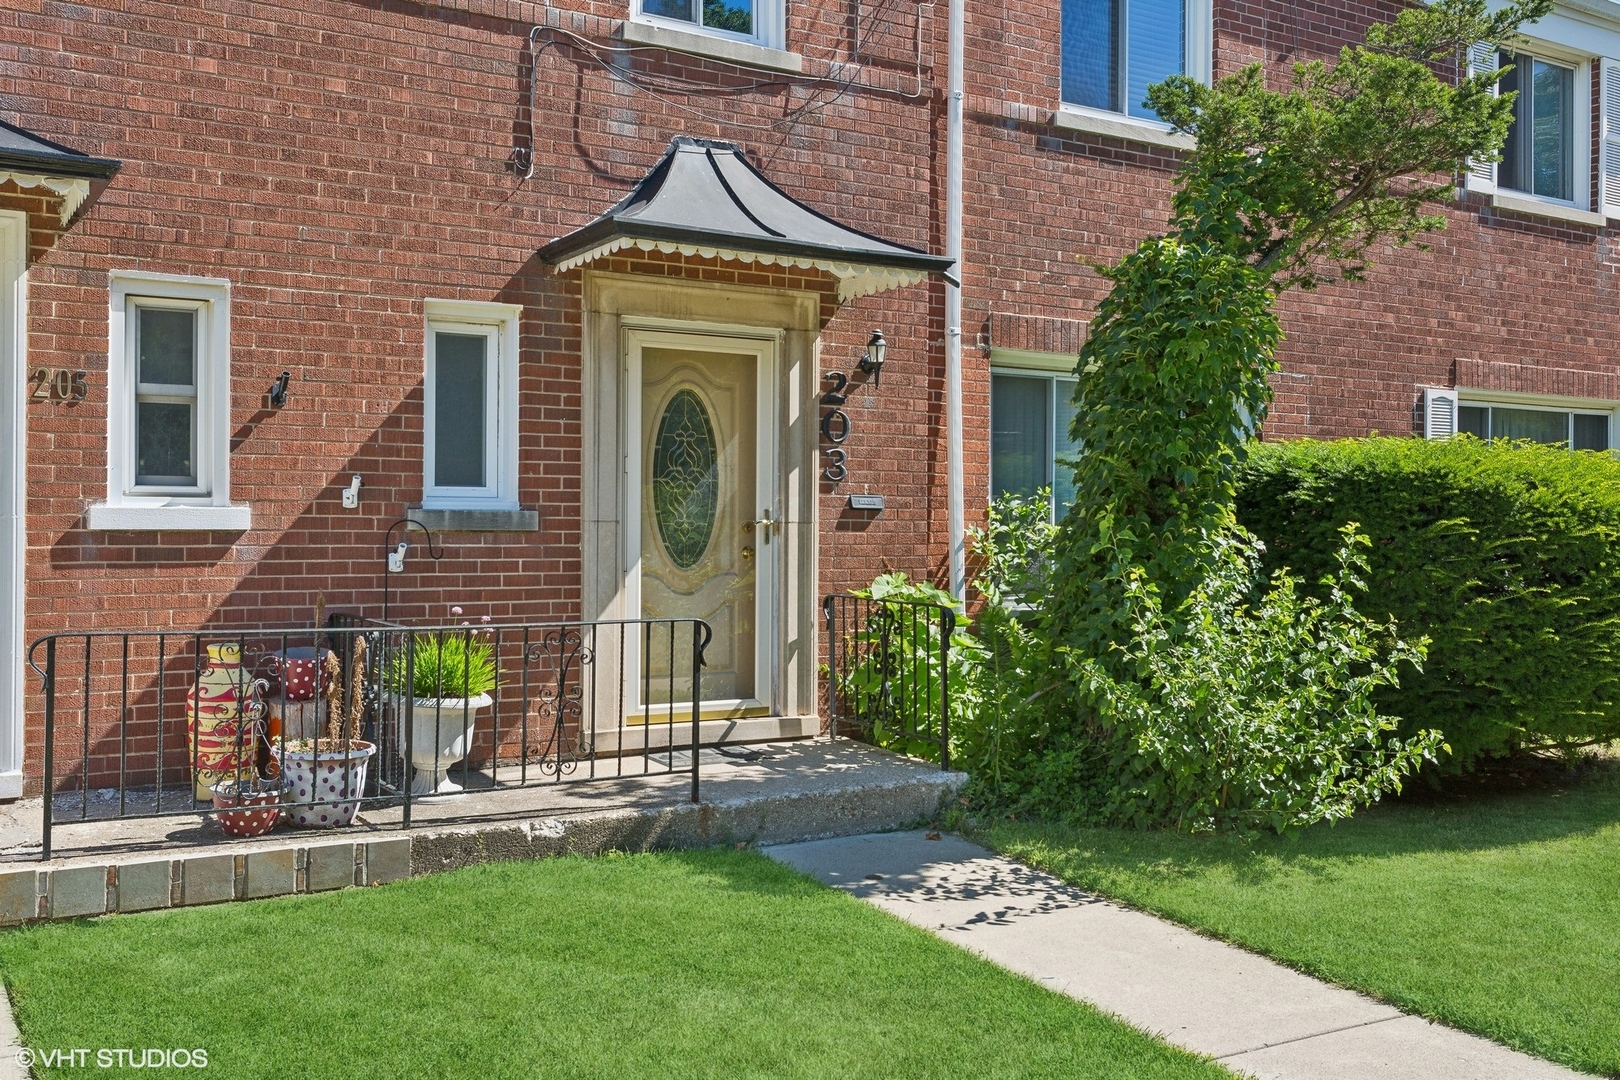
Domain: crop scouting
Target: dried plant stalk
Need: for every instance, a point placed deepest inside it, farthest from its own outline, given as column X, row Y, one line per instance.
column 357, row 704
column 334, row 698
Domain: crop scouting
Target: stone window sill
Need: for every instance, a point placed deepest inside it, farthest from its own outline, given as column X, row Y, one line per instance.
column 688, row 41
column 1529, row 204
column 1119, row 126
column 476, row 520
column 169, row 518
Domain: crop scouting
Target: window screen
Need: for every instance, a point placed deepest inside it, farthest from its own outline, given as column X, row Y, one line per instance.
column 461, row 421
column 1020, row 429
column 165, row 397
column 1113, row 50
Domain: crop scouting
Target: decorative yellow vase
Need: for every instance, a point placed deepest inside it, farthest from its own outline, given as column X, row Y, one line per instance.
column 223, row 712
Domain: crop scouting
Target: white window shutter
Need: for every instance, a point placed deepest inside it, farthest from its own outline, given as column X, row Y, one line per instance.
column 1482, row 174
column 1439, row 414
column 1609, row 138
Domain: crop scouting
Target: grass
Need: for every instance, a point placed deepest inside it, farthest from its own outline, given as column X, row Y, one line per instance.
column 1494, row 912
column 711, row 964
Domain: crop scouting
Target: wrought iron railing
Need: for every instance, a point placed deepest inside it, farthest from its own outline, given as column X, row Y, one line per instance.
column 888, row 669
column 144, row 724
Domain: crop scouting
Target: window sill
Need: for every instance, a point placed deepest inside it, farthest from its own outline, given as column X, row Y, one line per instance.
column 476, row 520
column 169, row 518
column 699, row 44
column 1529, row 204
column 1119, row 126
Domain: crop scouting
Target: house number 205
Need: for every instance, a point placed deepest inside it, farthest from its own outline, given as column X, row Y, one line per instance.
column 59, row 384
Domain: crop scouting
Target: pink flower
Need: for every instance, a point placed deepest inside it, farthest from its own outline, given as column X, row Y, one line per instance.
column 455, row 611
column 484, row 619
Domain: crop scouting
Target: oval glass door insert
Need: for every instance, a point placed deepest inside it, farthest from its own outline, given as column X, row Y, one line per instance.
column 685, row 479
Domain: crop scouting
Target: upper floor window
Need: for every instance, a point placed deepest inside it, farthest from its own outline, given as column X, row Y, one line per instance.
column 470, row 406
column 1539, row 155
column 1113, row 50
column 751, row 20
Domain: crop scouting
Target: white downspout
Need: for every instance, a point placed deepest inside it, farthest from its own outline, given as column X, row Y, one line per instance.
column 953, row 303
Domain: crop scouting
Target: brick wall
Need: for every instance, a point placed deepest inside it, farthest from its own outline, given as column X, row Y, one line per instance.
column 340, row 161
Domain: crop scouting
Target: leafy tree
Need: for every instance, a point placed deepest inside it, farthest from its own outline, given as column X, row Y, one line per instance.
column 1288, row 188
column 1164, row 678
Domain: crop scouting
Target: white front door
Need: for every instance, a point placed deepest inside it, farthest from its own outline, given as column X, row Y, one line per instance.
column 13, row 264
column 703, row 519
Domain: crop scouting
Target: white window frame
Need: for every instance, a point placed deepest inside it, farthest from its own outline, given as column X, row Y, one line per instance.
column 1539, row 403
column 1032, row 365
column 770, row 24
column 1484, row 177
column 1580, row 127
column 205, row 505
column 1197, row 63
column 501, row 323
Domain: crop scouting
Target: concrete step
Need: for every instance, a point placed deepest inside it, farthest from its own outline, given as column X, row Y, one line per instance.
column 781, row 793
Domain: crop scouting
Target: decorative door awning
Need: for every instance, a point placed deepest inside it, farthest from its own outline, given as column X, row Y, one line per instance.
column 704, row 198
column 34, row 161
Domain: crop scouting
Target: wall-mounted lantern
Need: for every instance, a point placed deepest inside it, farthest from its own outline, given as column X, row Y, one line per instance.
column 877, row 351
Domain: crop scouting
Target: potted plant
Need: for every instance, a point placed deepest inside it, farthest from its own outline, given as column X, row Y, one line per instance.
column 447, row 675
column 248, row 807
column 326, row 777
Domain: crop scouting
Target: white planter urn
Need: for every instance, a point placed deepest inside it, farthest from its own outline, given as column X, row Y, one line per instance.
column 440, row 731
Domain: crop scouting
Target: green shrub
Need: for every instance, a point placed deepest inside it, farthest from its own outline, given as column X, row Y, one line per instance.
column 894, row 682
column 1503, row 555
column 1252, row 709
column 444, row 664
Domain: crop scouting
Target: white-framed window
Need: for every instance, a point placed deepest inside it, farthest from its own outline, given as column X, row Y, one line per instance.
column 1031, row 410
column 760, row 22
column 470, row 399
column 1539, row 156
column 1113, row 50
column 168, row 405
column 1545, row 165
column 1576, row 423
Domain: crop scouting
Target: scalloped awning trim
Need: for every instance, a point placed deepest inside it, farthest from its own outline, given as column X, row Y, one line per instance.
column 73, row 191
column 854, row 279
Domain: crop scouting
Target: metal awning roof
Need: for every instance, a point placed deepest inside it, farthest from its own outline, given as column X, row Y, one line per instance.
column 704, row 198
column 34, row 161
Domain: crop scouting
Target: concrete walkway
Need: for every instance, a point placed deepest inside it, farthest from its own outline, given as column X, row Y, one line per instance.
column 1253, row 1015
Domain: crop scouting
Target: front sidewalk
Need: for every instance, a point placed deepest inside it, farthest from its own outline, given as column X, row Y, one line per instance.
column 1251, row 1014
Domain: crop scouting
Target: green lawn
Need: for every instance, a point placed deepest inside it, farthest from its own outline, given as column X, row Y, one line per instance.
column 715, row 964
column 1498, row 913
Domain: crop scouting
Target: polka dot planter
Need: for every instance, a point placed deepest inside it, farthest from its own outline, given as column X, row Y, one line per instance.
column 328, row 785
column 257, row 813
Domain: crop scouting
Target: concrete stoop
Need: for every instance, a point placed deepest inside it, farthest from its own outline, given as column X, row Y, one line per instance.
column 788, row 793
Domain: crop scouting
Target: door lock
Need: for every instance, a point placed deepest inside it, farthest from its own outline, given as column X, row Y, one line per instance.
column 748, row 554
column 766, row 524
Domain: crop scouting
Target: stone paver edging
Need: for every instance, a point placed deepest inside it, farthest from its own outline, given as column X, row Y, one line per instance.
column 1251, row 1014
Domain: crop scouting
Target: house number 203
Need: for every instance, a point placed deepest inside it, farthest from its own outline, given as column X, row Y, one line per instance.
column 835, row 429
column 59, row 384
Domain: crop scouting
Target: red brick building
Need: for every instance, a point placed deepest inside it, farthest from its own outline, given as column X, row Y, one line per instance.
column 358, row 193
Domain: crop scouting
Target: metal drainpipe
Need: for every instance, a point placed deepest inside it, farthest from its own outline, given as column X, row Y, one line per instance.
column 953, row 303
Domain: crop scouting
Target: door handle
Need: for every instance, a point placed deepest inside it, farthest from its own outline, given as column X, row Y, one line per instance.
column 766, row 524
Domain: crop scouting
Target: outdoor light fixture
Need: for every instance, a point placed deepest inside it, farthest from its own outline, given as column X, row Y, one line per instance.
column 278, row 390
column 876, row 352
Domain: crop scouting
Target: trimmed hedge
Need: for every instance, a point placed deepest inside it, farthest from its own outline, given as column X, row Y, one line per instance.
column 1507, row 556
